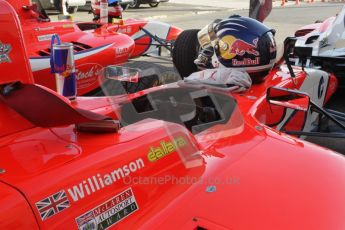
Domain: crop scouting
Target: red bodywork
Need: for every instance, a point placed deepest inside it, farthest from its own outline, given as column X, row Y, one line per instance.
column 95, row 45
column 242, row 174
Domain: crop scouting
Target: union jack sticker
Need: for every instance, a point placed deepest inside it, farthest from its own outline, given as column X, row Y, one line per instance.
column 52, row 205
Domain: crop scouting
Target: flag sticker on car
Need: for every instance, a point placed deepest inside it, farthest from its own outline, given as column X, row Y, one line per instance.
column 110, row 212
column 52, row 205
column 5, row 49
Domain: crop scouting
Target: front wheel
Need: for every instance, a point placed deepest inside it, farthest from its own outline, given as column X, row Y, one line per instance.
column 72, row 9
column 135, row 4
column 125, row 7
column 57, row 5
column 185, row 51
column 154, row 4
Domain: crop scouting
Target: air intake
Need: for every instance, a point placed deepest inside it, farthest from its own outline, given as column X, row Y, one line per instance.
column 77, row 47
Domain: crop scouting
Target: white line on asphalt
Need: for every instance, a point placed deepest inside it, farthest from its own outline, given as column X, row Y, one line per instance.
column 205, row 12
column 156, row 17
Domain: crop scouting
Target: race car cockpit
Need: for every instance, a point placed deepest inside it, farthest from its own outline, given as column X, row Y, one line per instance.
column 196, row 108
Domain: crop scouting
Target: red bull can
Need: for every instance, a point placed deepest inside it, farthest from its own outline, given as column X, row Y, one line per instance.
column 63, row 65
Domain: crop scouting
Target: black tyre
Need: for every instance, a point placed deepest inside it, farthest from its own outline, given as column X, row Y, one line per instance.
column 144, row 83
column 112, row 88
column 124, row 7
column 154, row 4
column 135, row 4
column 185, row 51
column 148, row 80
column 57, row 5
column 72, row 9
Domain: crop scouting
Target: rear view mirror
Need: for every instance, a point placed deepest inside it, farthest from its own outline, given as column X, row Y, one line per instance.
column 291, row 99
column 120, row 73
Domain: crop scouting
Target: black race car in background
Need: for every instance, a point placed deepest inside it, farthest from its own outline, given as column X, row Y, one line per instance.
column 152, row 3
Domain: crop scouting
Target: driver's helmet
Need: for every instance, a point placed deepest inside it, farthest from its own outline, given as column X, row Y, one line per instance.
column 114, row 9
column 238, row 42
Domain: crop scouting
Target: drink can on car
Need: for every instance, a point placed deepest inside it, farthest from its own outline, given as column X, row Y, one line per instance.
column 64, row 68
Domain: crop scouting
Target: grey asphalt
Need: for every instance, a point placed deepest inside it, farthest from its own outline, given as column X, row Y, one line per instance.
column 285, row 20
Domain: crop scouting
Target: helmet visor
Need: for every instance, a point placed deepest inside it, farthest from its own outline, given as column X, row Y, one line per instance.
column 204, row 37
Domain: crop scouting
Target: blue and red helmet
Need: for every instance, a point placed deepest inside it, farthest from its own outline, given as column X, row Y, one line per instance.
column 242, row 43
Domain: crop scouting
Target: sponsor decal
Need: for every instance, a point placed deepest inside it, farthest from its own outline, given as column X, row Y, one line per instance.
column 67, row 26
column 122, row 51
column 246, row 61
column 67, row 70
column 46, row 37
column 99, row 181
column 165, row 148
column 240, row 48
column 109, row 213
column 87, row 74
column 52, row 205
column 44, row 28
column 59, row 201
column 5, row 49
column 231, row 47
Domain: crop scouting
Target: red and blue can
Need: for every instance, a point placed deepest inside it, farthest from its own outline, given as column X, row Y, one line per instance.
column 63, row 65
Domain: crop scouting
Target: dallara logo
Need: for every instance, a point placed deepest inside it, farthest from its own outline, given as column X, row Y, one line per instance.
column 165, row 148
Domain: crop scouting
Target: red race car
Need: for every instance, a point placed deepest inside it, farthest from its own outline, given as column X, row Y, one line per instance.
column 180, row 156
column 96, row 45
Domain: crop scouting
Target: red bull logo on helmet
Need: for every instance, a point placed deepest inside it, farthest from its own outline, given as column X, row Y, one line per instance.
column 241, row 47
column 231, row 47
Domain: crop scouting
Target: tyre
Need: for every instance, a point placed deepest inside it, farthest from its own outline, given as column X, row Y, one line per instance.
column 135, row 4
column 154, row 4
column 144, row 83
column 112, row 88
column 125, row 7
column 57, row 5
column 148, row 80
column 185, row 51
column 72, row 9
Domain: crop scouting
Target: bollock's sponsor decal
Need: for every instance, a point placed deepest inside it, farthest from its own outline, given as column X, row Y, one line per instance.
column 99, row 181
column 52, row 205
column 165, row 148
column 109, row 213
column 88, row 74
column 5, row 49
